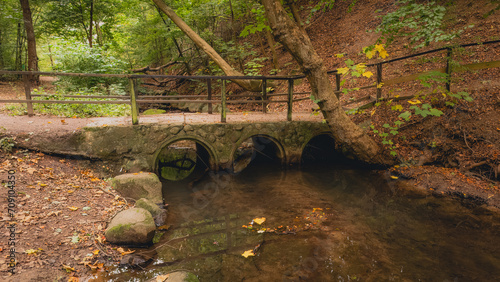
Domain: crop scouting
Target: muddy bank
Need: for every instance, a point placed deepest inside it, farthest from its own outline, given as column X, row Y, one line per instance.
column 471, row 190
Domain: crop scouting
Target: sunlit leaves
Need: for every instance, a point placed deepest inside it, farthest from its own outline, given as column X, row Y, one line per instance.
column 248, row 253
column 259, row 220
column 371, row 51
column 343, row 70
column 368, row 74
column 33, row 251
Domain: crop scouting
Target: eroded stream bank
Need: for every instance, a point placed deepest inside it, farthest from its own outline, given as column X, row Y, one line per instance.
column 323, row 223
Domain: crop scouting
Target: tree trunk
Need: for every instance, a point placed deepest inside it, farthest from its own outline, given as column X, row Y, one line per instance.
column 270, row 42
column 250, row 85
column 295, row 14
column 30, row 35
column 1, row 52
column 91, row 22
column 352, row 140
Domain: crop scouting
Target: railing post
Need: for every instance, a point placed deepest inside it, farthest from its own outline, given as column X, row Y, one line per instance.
column 379, row 81
column 337, row 85
column 264, row 95
column 448, row 69
column 27, row 93
column 133, row 101
column 209, row 92
column 223, row 102
column 290, row 100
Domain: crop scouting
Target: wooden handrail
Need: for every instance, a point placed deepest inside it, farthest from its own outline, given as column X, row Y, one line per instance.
column 134, row 99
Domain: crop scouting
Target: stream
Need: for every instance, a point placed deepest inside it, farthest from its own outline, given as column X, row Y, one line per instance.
column 322, row 223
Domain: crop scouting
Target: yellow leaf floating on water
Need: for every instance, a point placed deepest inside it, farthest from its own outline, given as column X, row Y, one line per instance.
column 259, row 220
column 248, row 253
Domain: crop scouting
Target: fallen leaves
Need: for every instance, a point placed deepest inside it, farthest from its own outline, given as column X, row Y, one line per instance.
column 123, row 252
column 33, row 251
column 68, row 268
column 248, row 253
column 259, row 220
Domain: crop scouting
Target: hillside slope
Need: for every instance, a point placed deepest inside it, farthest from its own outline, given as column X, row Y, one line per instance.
column 464, row 143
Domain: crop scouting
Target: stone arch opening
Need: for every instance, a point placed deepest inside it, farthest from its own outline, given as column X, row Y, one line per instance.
column 320, row 149
column 258, row 149
column 182, row 158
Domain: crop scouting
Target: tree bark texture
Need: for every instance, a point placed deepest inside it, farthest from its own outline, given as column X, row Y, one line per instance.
column 30, row 35
column 91, row 22
column 250, row 85
column 351, row 138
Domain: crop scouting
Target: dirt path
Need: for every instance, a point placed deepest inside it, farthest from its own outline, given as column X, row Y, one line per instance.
column 42, row 124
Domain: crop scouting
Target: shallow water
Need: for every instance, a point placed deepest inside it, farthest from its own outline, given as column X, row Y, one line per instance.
column 343, row 225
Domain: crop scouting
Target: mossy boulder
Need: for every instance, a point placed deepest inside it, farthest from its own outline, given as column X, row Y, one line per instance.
column 131, row 227
column 139, row 185
column 159, row 214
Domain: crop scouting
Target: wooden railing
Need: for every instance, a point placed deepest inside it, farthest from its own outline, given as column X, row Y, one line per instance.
column 134, row 100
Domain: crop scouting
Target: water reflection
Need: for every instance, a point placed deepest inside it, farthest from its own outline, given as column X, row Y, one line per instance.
column 363, row 228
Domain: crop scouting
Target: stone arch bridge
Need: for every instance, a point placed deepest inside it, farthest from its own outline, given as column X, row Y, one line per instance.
column 137, row 147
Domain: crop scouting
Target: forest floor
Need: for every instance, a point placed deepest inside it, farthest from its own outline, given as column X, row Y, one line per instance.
column 63, row 204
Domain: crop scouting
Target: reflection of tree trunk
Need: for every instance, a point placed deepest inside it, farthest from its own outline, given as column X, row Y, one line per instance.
column 91, row 22
column 353, row 141
column 30, row 36
column 250, row 85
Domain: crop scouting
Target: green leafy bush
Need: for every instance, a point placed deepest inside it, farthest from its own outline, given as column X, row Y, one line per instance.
column 72, row 110
column 422, row 23
column 6, row 144
column 76, row 57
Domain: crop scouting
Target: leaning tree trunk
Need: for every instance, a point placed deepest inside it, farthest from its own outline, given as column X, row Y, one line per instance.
column 348, row 135
column 30, row 35
column 250, row 85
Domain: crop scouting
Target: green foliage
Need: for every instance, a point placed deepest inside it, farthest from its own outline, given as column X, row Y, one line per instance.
column 10, row 17
column 71, row 19
column 422, row 23
column 77, row 57
column 72, row 110
column 259, row 24
column 6, row 144
column 322, row 5
column 253, row 67
column 417, row 108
